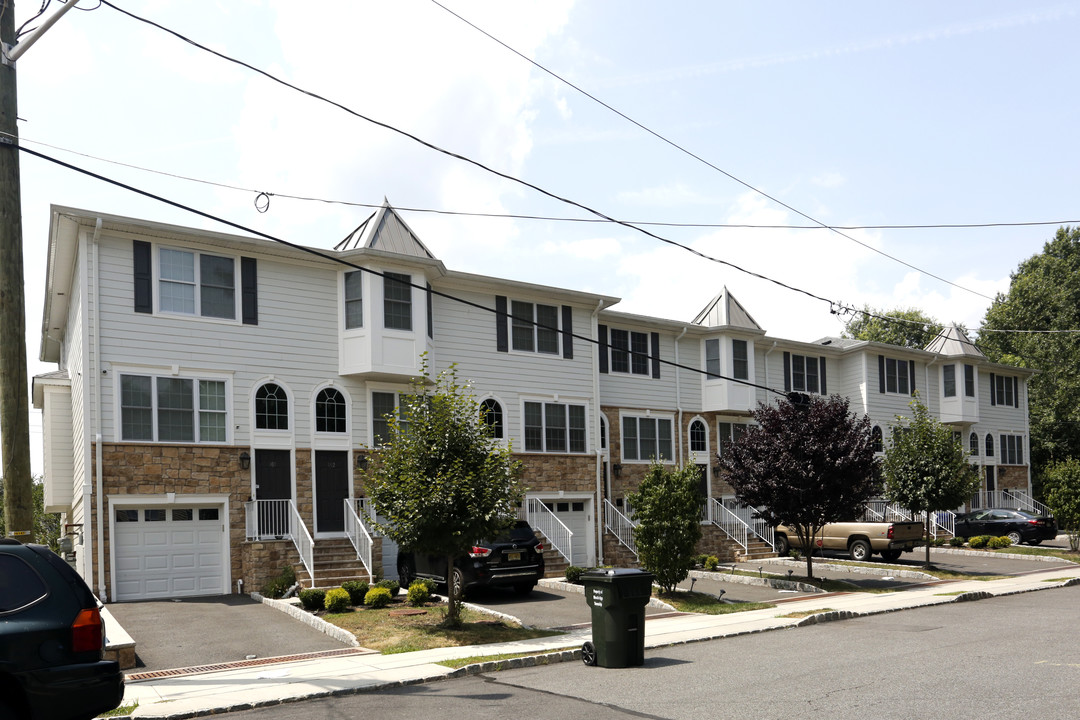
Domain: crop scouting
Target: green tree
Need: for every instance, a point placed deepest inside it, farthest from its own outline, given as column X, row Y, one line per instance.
column 667, row 507
column 926, row 468
column 46, row 525
column 441, row 481
column 805, row 465
column 1061, row 484
column 912, row 327
column 1044, row 294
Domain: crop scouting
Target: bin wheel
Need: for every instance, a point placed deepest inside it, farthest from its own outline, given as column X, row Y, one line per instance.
column 588, row 654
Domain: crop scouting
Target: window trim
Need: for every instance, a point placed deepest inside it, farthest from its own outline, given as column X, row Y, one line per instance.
column 390, row 279
column 196, row 283
column 634, row 357
column 736, row 360
column 120, row 372
column 518, row 324
column 721, row 440
column 501, row 421
column 346, row 300
column 566, row 403
column 315, row 412
column 948, row 380
column 1011, row 449
column 655, row 418
column 398, row 394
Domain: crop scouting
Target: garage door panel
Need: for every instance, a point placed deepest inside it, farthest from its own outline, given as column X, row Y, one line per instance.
column 185, row 561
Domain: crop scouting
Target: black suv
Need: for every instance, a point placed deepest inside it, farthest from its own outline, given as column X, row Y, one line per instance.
column 513, row 559
column 51, row 640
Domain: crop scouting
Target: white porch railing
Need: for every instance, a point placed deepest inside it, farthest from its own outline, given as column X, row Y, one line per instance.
column 542, row 519
column 278, row 520
column 941, row 523
column 732, row 525
column 619, row 525
column 1010, row 499
column 358, row 536
column 885, row 511
column 749, row 515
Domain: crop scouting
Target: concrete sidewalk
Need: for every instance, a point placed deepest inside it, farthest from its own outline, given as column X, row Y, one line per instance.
column 232, row 688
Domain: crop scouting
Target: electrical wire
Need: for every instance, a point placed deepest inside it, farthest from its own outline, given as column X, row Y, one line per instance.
column 705, row 162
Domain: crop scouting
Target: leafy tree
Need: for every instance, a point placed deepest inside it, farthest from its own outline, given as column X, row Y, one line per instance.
column 1061, row 483
column 805, row 465
column 441, row 481
column 667, row 506
column 46, row 525
column 1044, row 294
column 926, row 467
column 912, row 328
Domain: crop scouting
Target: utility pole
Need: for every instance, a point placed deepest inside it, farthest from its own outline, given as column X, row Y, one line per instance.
column 14, row 394
column 14, row 401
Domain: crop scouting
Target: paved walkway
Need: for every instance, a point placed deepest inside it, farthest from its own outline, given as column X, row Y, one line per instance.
column 239, row 686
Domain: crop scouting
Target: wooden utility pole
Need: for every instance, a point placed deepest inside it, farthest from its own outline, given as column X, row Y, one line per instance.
column 14, row 396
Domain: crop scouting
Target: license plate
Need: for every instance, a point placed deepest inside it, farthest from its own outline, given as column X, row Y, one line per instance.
column 513, row 557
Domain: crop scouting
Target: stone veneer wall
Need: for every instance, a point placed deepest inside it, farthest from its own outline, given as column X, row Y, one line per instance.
column 1011, row 477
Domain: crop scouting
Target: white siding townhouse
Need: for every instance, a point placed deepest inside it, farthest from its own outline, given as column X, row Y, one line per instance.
column 216, row 395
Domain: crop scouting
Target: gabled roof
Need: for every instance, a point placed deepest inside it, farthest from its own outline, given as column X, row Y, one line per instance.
column 724, row 309
column 385, row 230
column 952, row 341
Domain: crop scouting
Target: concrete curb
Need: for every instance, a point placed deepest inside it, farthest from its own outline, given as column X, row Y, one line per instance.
column 777, row 583
column 886, row 571
column 307, row 618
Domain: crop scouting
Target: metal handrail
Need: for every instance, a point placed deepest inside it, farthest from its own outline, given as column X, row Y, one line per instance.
column 943, row 520
column 358, row 536
column 620, row 525
column 760, row 527
column 1011, row 499
column 279, row 519
column 731, row 524
column 558, row 535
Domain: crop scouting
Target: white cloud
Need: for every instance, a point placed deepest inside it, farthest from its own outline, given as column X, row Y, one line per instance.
column 829, row 180
column 588, row 249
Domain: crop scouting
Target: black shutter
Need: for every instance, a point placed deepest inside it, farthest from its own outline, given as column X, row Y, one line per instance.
column 249, row 291
column 911, row 375
column 1004, row 452
column 144, row 278
column 881, row 373
column 993, row 390
column 1016, row 393
column 430, row 316
column 567, row 332
column 502, row 341
column 787, row 372
column 654, row 350
column 821, row 375
column 601, row 331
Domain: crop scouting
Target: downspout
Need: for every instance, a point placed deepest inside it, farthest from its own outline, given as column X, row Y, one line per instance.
column 95, row 365
column 598, row 509
column 678, row 395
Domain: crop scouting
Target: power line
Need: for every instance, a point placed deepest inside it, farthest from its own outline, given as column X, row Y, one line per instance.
column 702, row 160
column 546, row 218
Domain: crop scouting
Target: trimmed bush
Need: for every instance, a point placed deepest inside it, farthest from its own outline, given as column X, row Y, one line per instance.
column 712, row 562
column 357, row 589
column 337, row 600
column 313, row 599
column 573, row 574
column 998, row 543
column 956, row 541
column 392, row 585
column 378, row 597
column 979, row 541
column 419, row 593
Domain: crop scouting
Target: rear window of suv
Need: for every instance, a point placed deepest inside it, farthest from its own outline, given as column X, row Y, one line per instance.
column 20, row 585
column 518, row 533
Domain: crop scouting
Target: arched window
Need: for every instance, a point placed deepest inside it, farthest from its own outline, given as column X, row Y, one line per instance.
column 875, row 438
column 974, row 442
column 330, row 411
column 989, row 445
column 698, row 440
column 492, row 413
column 271, row 408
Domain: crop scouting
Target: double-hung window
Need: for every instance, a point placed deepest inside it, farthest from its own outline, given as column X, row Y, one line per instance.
column 712, row 358
column 397, row 301
column 804, row 374
column 171, row 409
column 740, row 365
column 354, row 299
column 948, row 380
column 1012, row 449
column 728, row 433
column 1004, row 390
column 646, row 438
column 534, row 327
column 192, row 283
column 969, row 381
column 897, row 374
column 629, row 352
column 554, row 427
column 383, row 406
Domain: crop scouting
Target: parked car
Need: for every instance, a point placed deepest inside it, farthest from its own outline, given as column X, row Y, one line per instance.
column 52, row 639
column 513, row 559
column 860, row 539
column 1019, row 526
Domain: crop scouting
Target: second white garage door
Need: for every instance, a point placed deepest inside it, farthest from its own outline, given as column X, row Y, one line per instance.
column 169, row 552
column 574, row 514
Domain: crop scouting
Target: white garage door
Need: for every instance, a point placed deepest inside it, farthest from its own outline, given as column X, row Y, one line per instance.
column 169, row 552
column 574, row 514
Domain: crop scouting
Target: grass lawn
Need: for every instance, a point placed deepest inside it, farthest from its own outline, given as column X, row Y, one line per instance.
column 695, row 602
column 402, row 628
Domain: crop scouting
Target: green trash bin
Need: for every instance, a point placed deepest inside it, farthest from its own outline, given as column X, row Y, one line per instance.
column 618, row 598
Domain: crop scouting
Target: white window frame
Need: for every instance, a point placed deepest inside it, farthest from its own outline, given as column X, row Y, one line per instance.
column 1011, row 448
column 325, row 440
column 898, row 377
column 119, row 372
column 505, row 416
column 536, row 329
column 639, row 356
column 197, row 284
column 818, row 361
column 566, row 403
column 722, row 440
column 655, row 419
column 345, row 300
column 398, row 393
column 946, row 380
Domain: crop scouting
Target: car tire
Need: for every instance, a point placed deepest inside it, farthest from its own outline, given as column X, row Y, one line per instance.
column 588, row 654
column 458, row 579
column 891, row 555
column 782, row 545
column 860, row 551
column 524, row 588
column 1015, row 537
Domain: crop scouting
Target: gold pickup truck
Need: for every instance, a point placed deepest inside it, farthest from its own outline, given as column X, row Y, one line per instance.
column 860, row 540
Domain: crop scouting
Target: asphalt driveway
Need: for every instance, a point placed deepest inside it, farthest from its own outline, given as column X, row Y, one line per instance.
column 208, row 630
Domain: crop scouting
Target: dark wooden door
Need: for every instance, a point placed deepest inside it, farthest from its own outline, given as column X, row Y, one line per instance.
column 331, row 489
column 273, row 481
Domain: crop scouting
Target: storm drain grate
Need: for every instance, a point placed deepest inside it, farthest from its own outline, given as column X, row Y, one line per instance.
column 175, row 672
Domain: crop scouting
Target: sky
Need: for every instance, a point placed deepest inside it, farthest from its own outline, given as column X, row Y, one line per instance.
column 836, row 113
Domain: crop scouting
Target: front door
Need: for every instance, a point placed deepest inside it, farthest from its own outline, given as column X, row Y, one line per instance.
column 273, row 481
column 331, row 490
